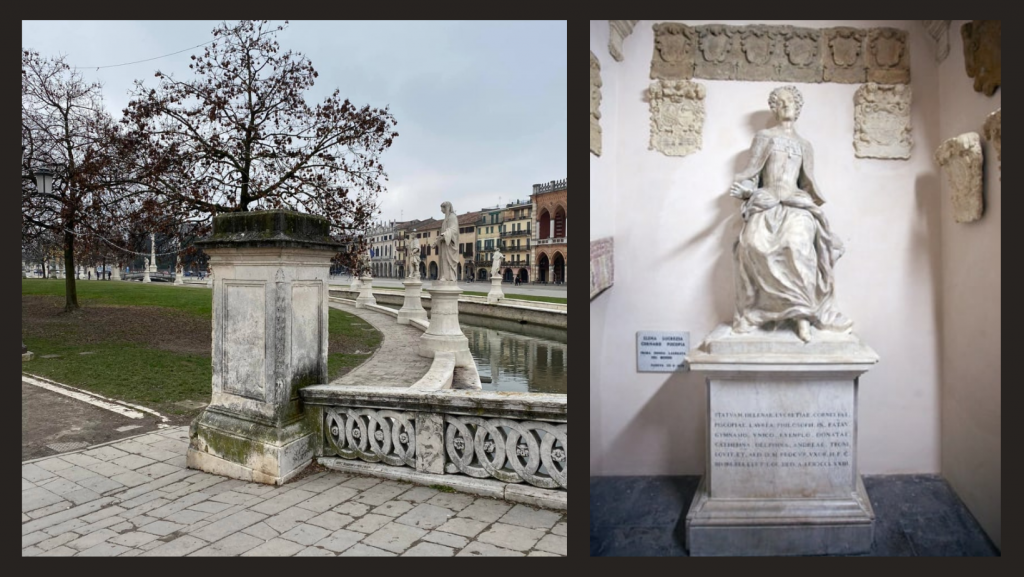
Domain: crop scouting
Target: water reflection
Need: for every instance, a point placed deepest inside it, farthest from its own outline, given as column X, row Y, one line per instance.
column 514, row 361
column 517, row 357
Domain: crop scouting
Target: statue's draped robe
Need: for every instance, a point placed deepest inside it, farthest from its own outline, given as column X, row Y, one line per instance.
column 448, row 248
column 786, row 251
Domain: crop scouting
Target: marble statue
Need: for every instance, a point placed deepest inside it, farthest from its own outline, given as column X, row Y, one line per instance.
column 412, row 268
column 786, row 251
column 363, row 264
column 496, row 263
column 447, row 244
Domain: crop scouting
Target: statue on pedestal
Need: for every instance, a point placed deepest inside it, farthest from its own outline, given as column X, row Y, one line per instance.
column 786, row 251
column 496, row 263
column 447, row 244
column 412, row 267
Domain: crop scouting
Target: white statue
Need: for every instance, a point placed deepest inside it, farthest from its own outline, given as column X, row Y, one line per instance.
column 496, row 263
column 447, row 244
column 786, row 251
column 412, row 268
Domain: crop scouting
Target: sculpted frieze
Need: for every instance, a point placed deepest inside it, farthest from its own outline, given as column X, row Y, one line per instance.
column 844, row 57
column 882, row 121
column 960, row 158
column 981, row 54
column 674, row 47
column 595, row 105
column 677, row 116
column 888, row 56
column 780, row 53
column 618, row 30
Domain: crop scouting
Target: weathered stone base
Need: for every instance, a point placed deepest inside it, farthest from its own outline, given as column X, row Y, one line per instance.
column 444, row 334
column 514, row 492
column 496, row 293
column 232, row 446
column 412, row 307
column 27, row 356
column 757, row 527
column 365, row 293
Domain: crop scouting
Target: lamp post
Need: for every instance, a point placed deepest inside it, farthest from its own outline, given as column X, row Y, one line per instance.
column 44, row 183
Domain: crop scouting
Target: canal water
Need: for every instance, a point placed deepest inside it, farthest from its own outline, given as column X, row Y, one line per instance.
column 516, row 357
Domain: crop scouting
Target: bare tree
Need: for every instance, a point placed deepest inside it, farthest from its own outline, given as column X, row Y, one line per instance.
column 66, row 130
column 240, row 136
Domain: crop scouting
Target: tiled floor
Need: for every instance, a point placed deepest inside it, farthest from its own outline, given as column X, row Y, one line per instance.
column 135, row 497
column 915, row 515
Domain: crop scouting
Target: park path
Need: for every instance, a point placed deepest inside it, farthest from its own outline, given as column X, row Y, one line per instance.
column 396, row 363
column 135, row 497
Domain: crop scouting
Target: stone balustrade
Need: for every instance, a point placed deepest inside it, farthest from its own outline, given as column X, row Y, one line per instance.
column 512, row 437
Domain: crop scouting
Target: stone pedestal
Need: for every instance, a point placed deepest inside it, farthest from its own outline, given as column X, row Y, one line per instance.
column 354, row 285
column 781, row 474
column 269, row 341
column 145, row 276
column 365, row 292
column 444, row 333
column 495, row 294
column 115, row 273
column 177, row 277
column 412, row 308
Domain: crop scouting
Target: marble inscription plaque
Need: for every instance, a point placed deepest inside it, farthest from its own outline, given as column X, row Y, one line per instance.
column 661, row 351
column 782, row 440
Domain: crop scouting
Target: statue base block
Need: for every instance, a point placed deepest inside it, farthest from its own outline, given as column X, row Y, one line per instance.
column 412, row 308
column 495, row 294
column 233, row 446
column 782, row 448
column 365, row 292
column 444, row 334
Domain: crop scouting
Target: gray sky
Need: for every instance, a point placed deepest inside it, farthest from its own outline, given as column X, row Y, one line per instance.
column 481, row 106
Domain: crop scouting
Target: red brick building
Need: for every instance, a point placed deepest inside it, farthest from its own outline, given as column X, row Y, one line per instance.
column 550, row 210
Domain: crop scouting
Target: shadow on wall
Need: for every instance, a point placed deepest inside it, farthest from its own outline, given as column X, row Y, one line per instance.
column 925, row 240
column 669, row 430
column 598, row 310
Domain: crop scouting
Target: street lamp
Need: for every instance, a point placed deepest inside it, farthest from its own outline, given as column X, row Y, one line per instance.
column 44, row 183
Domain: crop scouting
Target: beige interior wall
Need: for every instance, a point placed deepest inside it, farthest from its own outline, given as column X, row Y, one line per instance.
column 971, row 415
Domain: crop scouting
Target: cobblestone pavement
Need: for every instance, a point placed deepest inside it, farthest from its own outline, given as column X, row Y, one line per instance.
column 135, row 497
column 396, row 363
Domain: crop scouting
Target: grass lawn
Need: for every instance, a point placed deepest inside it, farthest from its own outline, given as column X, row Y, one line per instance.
column 146, row 343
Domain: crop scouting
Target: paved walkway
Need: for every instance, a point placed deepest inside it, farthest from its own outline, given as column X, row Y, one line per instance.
column 396, row 363
column 135, row 497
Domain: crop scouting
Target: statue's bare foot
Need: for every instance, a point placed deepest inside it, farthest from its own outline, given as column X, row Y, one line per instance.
column 803, row 330
column 740, row 325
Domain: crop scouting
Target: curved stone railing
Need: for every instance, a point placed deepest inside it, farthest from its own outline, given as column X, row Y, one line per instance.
column 517, row 438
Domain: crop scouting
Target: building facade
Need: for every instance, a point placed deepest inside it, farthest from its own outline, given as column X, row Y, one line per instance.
column 467, row 244
column 550, row 252
column 515, row 241
column 425, row 233
column 381, row 239
column 488, row 235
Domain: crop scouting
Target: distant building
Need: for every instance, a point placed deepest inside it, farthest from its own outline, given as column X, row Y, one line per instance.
column 467, row 244
column 381, row 239
column 488, row 234
column 515, row 241
column 550, row 253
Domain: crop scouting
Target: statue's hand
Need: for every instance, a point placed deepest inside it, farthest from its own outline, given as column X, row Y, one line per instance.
column 738, row 190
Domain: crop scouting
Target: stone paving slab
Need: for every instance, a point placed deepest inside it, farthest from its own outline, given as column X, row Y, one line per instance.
column 127, row 499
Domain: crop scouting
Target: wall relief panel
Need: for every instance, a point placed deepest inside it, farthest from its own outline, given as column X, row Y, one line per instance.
column 882, row 121
column 677, row 116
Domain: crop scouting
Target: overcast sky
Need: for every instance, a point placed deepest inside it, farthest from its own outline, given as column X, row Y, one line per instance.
column 480, row 105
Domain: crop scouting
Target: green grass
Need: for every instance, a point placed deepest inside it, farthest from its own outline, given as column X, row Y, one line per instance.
column 125, row 371
column 157, row 378
column 197, row 301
